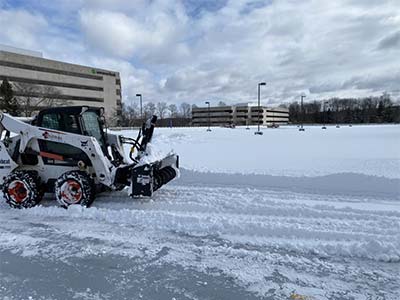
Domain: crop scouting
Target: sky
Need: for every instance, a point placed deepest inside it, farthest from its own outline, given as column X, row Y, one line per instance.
column 219, row 50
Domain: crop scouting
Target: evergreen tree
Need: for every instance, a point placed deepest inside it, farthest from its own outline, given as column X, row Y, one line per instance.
column 7, row 101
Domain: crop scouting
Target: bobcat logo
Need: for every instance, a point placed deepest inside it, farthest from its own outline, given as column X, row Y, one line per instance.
column 84, row 143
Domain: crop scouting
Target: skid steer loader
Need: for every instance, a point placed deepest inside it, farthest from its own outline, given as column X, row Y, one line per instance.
column 65, row 150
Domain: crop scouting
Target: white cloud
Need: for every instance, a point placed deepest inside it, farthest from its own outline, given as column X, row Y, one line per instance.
column 113, row 32
column 155, row 38
column 219, row 50
column 20, row 28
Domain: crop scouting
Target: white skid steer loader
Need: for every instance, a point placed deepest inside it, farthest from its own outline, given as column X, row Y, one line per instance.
column 65, row 150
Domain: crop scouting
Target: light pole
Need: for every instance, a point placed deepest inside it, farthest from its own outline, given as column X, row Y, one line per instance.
column 323, row 115
column 141, row 107
column 209, row 116
column 258, row 132
column 337, row 116
column 302, row 114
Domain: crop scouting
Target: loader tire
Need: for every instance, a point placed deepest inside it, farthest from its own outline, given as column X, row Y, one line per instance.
column 21, row 189
column 74, row 187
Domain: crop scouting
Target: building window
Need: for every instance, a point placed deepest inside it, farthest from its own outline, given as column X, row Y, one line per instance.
column 48, row 70
column 118, row 91
column 118, row 81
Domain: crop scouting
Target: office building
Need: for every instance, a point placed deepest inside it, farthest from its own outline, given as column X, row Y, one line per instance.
column 41, row 82
column 240, row 114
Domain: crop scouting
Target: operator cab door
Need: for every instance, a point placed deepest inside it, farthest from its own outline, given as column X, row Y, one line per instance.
column 91, row 126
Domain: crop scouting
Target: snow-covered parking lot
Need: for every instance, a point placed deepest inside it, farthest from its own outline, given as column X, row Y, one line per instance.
column 285, row 215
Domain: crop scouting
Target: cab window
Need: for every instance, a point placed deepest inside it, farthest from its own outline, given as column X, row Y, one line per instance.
column 52, row 121
column 71, row 123
column 92, row 127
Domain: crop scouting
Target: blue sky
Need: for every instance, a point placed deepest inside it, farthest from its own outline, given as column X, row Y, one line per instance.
column 195, row 51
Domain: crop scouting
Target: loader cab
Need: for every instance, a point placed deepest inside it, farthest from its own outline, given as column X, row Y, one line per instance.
column 82, row 120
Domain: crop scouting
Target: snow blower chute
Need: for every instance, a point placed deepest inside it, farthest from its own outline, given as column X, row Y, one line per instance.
column 65, row 150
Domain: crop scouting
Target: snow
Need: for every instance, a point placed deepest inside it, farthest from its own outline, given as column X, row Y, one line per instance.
column 286, row 215
column 370, row 150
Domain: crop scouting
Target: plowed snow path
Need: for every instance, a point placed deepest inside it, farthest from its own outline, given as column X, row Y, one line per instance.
column 213, row 242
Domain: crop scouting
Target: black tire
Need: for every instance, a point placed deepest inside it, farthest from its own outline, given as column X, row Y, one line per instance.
column 74, row 187
column 21, row 189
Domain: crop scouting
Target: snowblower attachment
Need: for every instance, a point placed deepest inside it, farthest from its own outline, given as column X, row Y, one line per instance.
column 149, row 177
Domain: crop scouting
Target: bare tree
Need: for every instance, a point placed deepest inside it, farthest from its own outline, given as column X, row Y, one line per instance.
column 161, row 109
column 26, row 100
column 129, row 115
column 49, row 97
column 31, row 97
column 173, row 110
column 186, row 110
column 149, row 109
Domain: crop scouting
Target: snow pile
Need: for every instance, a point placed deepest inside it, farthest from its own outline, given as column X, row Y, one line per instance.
column 153, row 154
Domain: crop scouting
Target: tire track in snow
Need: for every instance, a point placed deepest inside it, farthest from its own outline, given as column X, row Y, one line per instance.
column 267, row 241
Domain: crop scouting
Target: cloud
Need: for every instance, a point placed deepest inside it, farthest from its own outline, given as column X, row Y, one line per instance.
column 390, row 41
column 196, row 8
column 20, row 28
column 113, row 32
column 374, row 82
column 186, row 50
column 155, row 38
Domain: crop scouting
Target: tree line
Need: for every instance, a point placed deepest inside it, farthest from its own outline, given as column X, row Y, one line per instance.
column 168, row 114
column 335, row 110
column 346, row 110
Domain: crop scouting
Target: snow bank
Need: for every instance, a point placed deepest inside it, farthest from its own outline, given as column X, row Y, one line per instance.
column 369, row 150
column 344, row 183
